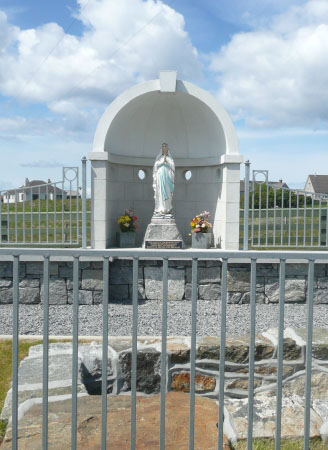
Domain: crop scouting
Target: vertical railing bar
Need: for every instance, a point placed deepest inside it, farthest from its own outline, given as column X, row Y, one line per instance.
column 104, row 354
column 251, row 356
column 134, row 354
column 1, row 194
column 312, row 219
column 16, row 217
column 14, row 424
column 289, row 216
column 75, row 350
column 45, row 359
column 55, row 213
column 194, row 272
column 274, row 214
column 304, row 225
column 31, row 214
column 246, row 205
column 282, row 218
column 327, row 224
column 70, row 211
column 63, row 209
column 47, row 211
column 308, row 357
column 319, row 223
column 8, row 220
column 259, row 215
column 163, row 358
column 222, row 350
column 77, row 207
column 84, row 202
column 297, row 218
column 282, row 274
column 253, row 204
column 24, row 198
column 267, row 214
column 39, row 206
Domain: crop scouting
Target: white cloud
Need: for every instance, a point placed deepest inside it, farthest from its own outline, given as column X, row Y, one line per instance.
column 278, row 76
column 122, row 43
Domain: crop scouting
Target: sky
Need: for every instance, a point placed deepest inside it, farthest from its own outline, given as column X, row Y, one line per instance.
column 62, row 62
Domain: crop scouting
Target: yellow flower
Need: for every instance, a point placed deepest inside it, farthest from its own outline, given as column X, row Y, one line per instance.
column 127, row 219
column 192, row 224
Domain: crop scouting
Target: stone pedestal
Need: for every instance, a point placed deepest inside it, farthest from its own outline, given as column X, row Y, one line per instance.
column 162, row 232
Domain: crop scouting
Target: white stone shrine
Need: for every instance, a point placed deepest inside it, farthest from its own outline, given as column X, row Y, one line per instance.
column 204, row 145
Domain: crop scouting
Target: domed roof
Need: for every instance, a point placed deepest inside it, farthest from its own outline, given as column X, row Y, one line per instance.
column 195, row 126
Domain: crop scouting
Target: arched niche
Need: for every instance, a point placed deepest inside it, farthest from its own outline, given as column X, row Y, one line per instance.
column 202, row 140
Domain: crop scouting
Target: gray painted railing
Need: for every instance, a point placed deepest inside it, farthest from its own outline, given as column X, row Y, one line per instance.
column 194, row 255
column 276, row 216
column 46, row 214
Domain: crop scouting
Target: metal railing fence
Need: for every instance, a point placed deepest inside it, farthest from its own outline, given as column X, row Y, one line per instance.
column 53, row 213
column 194, row 255
column 276, row 216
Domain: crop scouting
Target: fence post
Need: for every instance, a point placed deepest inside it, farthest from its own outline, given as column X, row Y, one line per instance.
column 84, row 202
column 246, row 203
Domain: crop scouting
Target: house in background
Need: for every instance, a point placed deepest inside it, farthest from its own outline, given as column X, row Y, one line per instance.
column 73, row 194
column 34, row 190
column 317, row 184
column 276, row 184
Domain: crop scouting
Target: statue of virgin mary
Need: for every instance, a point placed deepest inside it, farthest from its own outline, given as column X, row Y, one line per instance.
column 163, row 182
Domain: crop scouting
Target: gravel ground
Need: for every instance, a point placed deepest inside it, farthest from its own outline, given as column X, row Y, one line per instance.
column 149, row 318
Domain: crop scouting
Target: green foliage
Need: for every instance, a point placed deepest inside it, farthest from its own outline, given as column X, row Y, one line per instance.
column 276, row 198
column 46, row 205
column 286, row 444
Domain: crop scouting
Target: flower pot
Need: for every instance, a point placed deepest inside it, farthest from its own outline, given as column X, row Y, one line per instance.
column 201, row 240
column 126, row 239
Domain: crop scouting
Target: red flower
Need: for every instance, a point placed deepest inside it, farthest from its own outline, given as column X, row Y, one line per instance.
column 135, row 218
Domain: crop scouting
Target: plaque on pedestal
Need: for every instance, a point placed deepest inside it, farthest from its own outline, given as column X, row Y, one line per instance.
column 163, row 233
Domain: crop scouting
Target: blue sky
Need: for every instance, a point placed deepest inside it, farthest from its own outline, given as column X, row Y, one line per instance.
column 62, row 62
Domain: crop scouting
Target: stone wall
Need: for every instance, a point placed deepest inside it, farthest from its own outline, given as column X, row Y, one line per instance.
column 150, row 281
column 207, row 376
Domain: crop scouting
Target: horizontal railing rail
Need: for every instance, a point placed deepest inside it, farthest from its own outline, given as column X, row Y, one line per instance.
column 227, row 257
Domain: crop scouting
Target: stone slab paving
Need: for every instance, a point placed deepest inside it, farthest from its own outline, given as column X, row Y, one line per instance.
column 207, row 376
column 118, row 424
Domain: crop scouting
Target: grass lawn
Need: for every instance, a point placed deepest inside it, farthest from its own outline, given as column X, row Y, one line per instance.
column 6, row 368
column 286, row 444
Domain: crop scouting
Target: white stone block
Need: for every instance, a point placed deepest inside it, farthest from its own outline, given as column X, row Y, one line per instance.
column 230, row 173
column 100, row 189
column 100, row 209
column 168, row 80
column 133, row 191
column 125, row 173
column 148, row 192
column 230, row 192
column 99, row 170
column 116, row 191
column 180, row 191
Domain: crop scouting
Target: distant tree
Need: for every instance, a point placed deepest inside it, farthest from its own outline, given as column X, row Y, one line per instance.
column 282, row 198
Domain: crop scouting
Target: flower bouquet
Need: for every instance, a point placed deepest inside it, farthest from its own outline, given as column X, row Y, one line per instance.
column 200, row 231
column 128, row 222
column 200, row 223
column 128, row 226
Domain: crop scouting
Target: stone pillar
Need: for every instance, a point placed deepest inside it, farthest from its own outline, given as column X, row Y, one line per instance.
column 99, row 208
column 226, row 221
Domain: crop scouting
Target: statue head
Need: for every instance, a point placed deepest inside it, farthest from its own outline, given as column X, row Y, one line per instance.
column 165, row 149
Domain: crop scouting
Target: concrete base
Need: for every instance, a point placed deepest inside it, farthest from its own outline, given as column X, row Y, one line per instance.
column 163, row 233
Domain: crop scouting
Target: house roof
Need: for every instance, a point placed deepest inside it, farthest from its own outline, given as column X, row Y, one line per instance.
column 277, row 184
column 319, row 183
column 44, row 187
